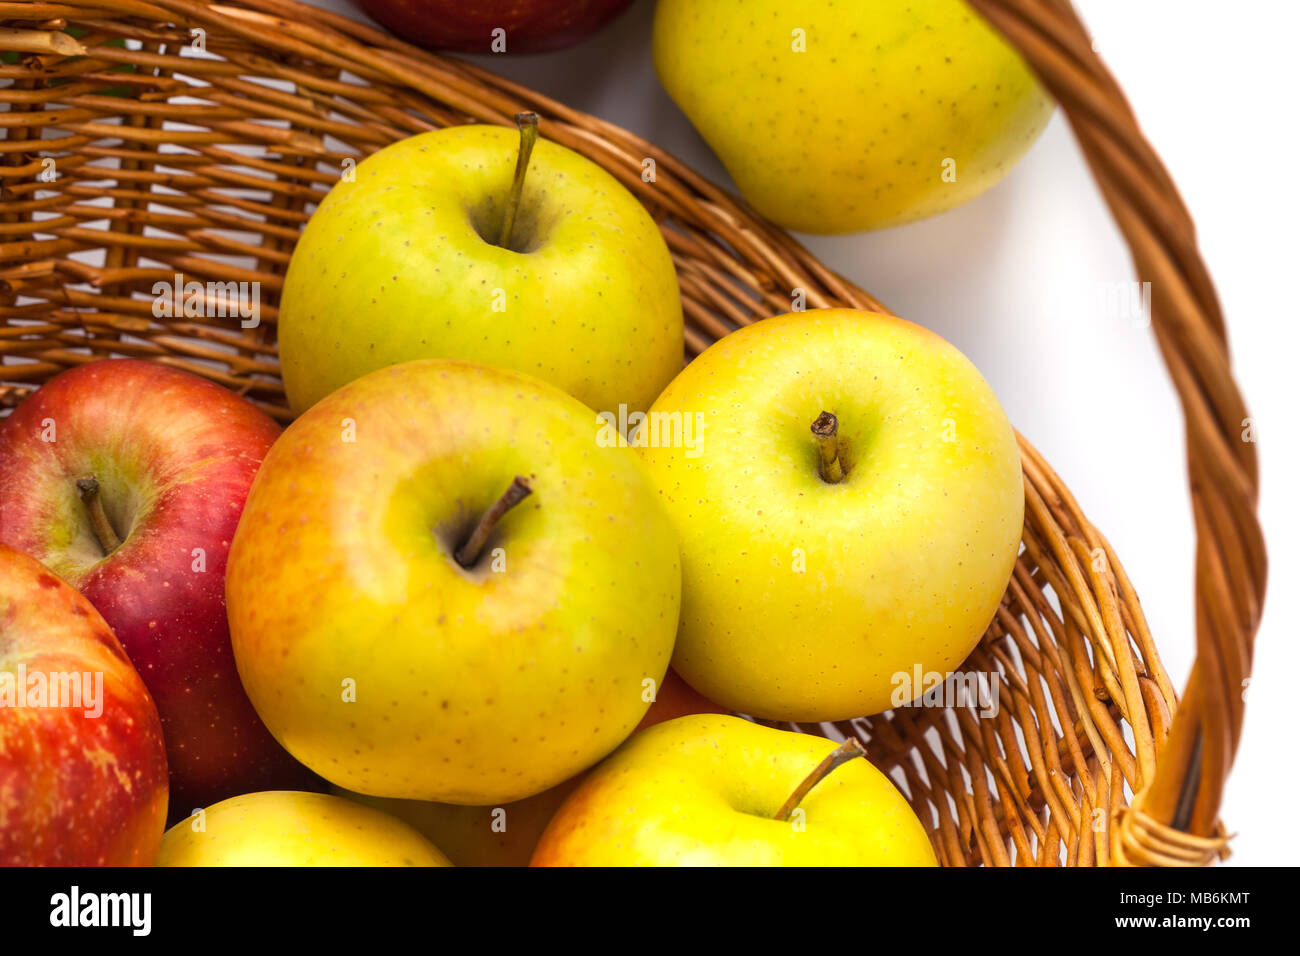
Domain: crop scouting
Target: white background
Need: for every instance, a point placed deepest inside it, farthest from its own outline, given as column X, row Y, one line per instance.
column 1012, row 279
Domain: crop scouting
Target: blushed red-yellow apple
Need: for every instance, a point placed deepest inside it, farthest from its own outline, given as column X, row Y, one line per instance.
column 127, row 478
column 83, row 772
column 399, row 649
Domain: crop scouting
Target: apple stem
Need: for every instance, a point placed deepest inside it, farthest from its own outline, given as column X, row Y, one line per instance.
column 842, row 754
column 826, row 429
column 88, row 488
column 468, row 553
column 527, row 123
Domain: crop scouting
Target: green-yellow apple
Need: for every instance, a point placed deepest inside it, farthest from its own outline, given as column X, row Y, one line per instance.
column 508, row 834
column 839, row 117
column 126, row 478
column 442, row 247
column 290, row 828
column 83, row 773
column 405, row 629
column 812, row 586
column 721, row 791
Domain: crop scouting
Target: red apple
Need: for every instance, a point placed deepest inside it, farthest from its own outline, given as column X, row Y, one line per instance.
column 531, row 26
column 676, row 698
column 173, row 455
column 83, row 773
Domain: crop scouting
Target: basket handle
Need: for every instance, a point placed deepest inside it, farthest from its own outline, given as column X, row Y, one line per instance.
column 1174, row 816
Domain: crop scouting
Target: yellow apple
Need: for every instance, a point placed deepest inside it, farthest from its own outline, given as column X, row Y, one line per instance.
column 811, row 598
column 406, row 261
column 289, row 828
column 396, row 658
column 721, row 791
column 839, row 117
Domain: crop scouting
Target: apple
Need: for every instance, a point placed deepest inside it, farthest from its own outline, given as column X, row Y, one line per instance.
column 83, row 771
column 508, row 834
column 527, row 26
column 503, row 835
column 126, row 478
column 721, row 791
column 675, row 698
column 852, row 509
column 287, row 828
column 839, row 117
column 443, row 587
column 459, row 244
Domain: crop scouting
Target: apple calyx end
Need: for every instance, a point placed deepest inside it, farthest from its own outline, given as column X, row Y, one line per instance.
column 850, row 749
column 467, row 554
column 826, row 429
column 88, row 490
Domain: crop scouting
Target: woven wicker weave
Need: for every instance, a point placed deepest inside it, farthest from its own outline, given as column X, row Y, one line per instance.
column 1091, row 758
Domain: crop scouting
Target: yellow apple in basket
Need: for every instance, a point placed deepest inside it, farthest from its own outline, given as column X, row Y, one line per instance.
column 838, row 117
column 289, row 828
column 443, row 587
column 440, row 247
column 851, row 510
column 721, row 791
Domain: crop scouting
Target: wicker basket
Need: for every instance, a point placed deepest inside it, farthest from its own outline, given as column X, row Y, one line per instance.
column 1091, row 759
